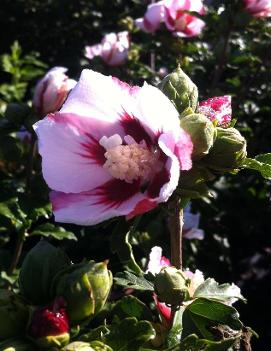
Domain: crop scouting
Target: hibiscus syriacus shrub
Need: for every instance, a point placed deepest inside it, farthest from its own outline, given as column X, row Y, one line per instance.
column 125, row 189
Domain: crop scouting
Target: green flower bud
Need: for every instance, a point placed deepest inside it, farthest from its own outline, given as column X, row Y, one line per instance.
column 228, row 152
column 85, row 287
column 40, row 266
column 171, row 286
column 14, row 315
column 201, row 131
column 78, row 346
column 180, row 89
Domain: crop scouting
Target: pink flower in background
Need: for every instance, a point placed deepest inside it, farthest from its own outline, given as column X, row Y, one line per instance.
column 153, row 17
column 179, row 21
column 112, row 150
column 52, row 90
column 191, row 225
column 175, row 14
column 217, row 109
column 113, row 49
column 258, row 8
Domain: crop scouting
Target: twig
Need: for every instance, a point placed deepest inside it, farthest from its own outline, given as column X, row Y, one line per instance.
column 176, row 228
column 17, row 252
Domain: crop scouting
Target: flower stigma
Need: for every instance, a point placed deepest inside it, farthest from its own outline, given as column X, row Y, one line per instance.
column 131, row 161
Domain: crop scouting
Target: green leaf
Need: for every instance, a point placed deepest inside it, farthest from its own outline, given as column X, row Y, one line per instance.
column 34, row 207
column 216, row 311
column 95, row 334
column 129, row 334
column 264, row 158
column 193, row 343
column 100, row 346
column 175, row 333
column 42, row 263
column 130, row 306
column 12, row 213
column 50, row 230
column 130, row 280
column 257, row 164
column 226, row 293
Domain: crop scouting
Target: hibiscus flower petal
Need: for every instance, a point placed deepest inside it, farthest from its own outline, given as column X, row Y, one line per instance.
column 97, row 96
column 72, row 158
column 112, row 199
column 155, row 111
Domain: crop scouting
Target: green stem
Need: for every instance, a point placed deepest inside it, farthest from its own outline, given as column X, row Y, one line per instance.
column 176, row 228
column 18, row 251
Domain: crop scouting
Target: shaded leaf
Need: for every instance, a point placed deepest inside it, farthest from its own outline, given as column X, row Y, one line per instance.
column 216, row 311
column 120, row 244
column 50, row 230
column 257, row 165
column 130, row 280
column 130, row 306
column 193, row 343
column 129, row 334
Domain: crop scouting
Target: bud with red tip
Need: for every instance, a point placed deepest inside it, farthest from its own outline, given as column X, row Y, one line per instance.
column 49, row 325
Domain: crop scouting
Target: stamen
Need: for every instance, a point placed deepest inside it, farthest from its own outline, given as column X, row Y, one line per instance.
column 109, row 143
column 131, row 162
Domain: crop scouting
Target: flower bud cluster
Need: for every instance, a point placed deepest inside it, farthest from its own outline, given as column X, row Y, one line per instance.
column 217, row 146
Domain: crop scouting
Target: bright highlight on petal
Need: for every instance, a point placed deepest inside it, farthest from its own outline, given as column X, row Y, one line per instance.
column 112, row 150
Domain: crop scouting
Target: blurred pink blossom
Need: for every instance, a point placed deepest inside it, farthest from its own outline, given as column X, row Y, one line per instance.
column 112, row 150
column 153, row 17
column 217, row 109
column 191, row 225
column 52, row 90
column 258, row 8
column 113, row 49
column 176, row 15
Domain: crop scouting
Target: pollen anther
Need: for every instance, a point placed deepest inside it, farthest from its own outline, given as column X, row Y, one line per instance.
column 131, row 162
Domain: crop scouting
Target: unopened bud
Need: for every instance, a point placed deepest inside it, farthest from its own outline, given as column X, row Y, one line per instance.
column 85, row 287
column 49, row 326
column 180, row 89
column 201, row 131
column 171, row 286
column 228, row 152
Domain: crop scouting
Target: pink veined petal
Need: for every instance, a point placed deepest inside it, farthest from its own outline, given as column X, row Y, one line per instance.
column 155, row 111
column 72, row 157
column 97, row 96
column 141, row 207
column 166, row 144
column 112, row 199
column 183, row 150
